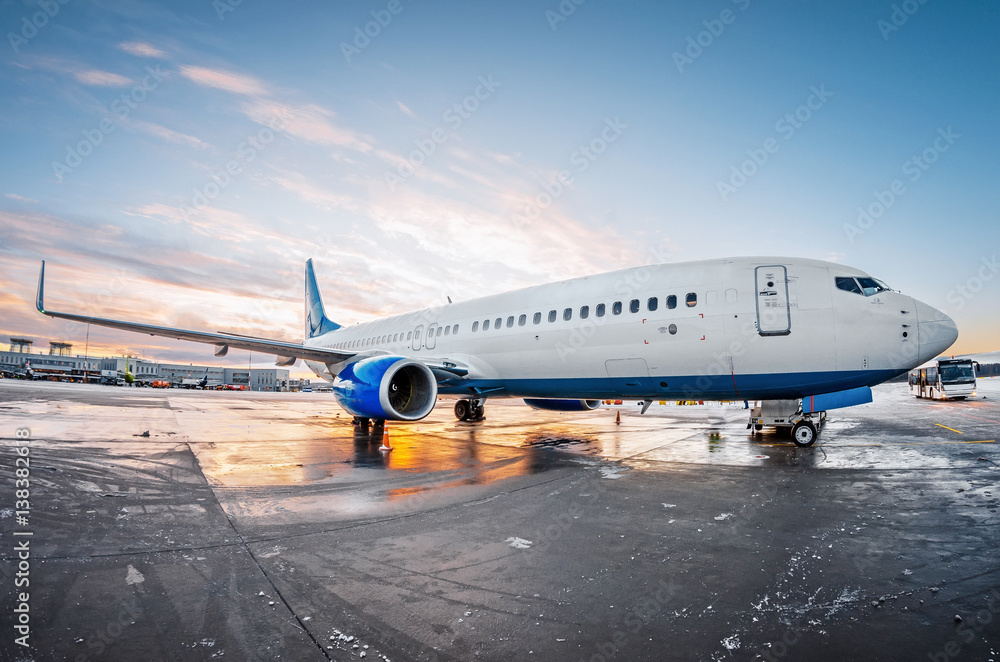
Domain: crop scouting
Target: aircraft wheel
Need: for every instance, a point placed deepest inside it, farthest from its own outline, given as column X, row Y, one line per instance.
column 462, row 410
column 480, row 413
column 804, row 434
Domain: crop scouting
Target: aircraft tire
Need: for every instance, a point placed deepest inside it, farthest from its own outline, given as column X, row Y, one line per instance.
column 804, row 434
column 462, row 408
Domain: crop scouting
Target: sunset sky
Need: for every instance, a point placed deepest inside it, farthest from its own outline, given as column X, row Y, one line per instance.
column 178, row 163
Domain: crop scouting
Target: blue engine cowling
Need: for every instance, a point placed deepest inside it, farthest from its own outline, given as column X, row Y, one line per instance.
column 387, row 387
column 551, row 404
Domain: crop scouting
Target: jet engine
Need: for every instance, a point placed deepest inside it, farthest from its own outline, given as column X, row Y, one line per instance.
column 562, row 405
column 387, row 387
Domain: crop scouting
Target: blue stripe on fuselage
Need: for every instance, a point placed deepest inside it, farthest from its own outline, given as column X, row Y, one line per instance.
column 777, row 386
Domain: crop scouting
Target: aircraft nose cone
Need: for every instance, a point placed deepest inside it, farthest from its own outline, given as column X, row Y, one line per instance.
column 935, row 330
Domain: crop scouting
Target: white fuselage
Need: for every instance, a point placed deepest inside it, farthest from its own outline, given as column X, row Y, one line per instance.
column 740, row 328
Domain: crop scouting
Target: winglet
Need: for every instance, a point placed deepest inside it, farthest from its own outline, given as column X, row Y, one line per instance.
column 41, row 290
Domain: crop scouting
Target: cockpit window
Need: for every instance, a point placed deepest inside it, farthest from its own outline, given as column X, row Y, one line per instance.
column 848, row 285
column 872, row 286
column 864, row 286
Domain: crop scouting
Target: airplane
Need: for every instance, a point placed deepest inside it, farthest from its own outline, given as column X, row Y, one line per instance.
column 773, row 329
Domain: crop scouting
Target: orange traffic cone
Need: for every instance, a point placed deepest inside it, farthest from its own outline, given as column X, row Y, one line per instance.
column 618, row 418
column 385, row 440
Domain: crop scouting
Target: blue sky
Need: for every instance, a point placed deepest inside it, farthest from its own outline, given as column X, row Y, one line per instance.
column 653, row 114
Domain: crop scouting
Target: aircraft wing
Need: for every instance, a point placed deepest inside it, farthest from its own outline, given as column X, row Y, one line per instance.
column 287, row 351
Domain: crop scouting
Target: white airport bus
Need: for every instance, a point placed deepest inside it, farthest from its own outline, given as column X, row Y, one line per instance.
column 945, row 379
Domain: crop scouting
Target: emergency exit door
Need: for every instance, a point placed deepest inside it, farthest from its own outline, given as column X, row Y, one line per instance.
column 773, row 315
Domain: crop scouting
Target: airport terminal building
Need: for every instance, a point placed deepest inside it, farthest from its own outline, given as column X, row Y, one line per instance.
column 58, row 363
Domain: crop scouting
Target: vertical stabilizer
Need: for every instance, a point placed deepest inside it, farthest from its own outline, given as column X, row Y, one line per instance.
column 316, row 321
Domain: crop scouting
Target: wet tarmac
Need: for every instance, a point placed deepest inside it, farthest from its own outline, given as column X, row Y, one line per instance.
column 252, row 526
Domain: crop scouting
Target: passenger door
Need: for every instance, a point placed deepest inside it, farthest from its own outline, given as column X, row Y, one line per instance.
column 773, row 314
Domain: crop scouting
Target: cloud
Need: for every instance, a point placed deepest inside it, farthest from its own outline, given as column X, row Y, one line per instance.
column 322, row 198
column 403, row 107
column 311, row 123
column 224, row 80
column 140, row 49
column 19, row 198
column 101, row 78
column 168, row 134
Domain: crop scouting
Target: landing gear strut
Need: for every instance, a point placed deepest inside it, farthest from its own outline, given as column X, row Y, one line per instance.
column 470, row 410
column 363, row 422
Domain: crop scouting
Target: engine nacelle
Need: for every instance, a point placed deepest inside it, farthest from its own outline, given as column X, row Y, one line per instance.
column 551, row 404
column 389, row 387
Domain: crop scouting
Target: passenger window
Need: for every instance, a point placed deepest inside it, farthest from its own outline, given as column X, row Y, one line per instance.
column 454, row 330
column 522, row 320
column 848, row 284
column 600, row 310
column 475, row 326
column 537, row 319
column 568, row 314
column 633, row 306
column 439, row 332
column 671, row 302
column 552, row 316
column 409, row 335
column 395, row 337
column 486, row 325
column 584, row 312
column 447, row 330
column 616, row 308
column 510, row 321
column 652, row 304
column 691, row 300
column 497, row 322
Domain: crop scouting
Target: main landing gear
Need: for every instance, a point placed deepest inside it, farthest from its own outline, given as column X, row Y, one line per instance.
column 470, row 410
column 363, row 423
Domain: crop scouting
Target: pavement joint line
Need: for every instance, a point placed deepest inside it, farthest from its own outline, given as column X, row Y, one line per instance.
column 253, row 557
column 948, row 428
